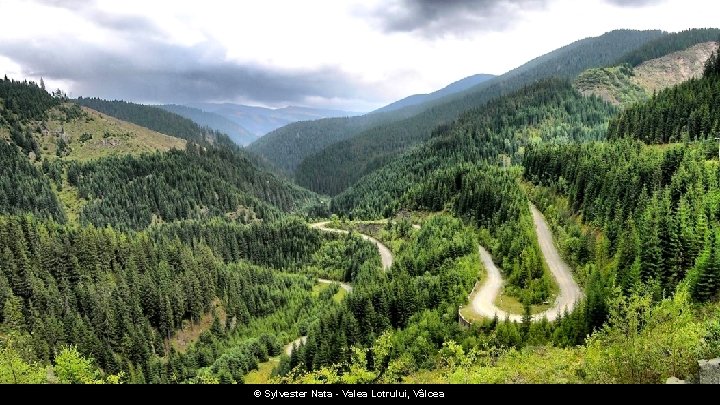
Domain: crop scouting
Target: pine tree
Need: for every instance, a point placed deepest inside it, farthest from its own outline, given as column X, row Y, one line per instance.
column 708, row 270
column 651, row 255
column 595, row 306
column 526, row 320
column 13, row 316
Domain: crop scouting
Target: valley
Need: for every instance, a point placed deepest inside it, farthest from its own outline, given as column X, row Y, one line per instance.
column 557, row 223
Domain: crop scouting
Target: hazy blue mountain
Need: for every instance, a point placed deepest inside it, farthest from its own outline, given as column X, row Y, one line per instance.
column 259, row 120
column 456, row 87
column 289, row 145
column 235, row 131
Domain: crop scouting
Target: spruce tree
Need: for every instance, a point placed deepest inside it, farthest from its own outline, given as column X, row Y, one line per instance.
column 708, row 277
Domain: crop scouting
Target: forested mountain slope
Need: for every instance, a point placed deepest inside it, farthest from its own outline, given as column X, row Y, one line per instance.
column 289, row 145
column 340, row 165
column 382, row 135
column 133, row 192
column 23, row 186
column 689, row 111
column 550, row 111
column 113, row 304
column 669, row 43
column 86, row 162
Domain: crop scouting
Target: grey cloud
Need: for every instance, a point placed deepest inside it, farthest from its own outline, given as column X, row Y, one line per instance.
column 153, row 70
column 159, row 72
column 435, row 18
column 634, row 3
column 89, row 10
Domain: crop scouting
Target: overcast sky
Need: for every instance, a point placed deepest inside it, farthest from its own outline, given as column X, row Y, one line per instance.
column 352, row 55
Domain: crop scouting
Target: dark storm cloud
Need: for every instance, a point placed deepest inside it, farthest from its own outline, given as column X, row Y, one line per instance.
column 158, row 72
column 434, row 18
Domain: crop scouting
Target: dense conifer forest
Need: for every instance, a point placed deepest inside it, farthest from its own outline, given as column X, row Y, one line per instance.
column 341, row 165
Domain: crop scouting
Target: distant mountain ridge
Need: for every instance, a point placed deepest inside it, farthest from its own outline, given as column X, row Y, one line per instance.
column 339, row 165
column 235, row 131
column 260, row 120
column 286, row 147
column 456, row 87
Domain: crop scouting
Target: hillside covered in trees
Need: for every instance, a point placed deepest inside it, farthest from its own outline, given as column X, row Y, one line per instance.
column 497, row 133
column 687, row 112
column 195, row 242
column 669, row 43
column 378, row 138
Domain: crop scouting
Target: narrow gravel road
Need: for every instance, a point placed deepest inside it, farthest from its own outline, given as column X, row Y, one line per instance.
column 295, row 343
column 483, row 302
column 385, row 256
column 345, row 286
column 569, row 290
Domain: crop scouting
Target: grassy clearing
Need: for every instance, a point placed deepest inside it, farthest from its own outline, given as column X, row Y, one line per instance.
column 95, row 135
column 470, row 315
column 320, row 287
column 512, row 305
column 340, row 295
column 262, row 374
column 71, row 202
column 191, row 331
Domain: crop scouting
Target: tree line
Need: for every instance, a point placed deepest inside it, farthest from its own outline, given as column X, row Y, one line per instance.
column 669, row 43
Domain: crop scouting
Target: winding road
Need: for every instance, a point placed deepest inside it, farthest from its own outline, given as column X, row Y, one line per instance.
column 345, row 286
column 386, row 258
column 295, row 343
column 484, row 301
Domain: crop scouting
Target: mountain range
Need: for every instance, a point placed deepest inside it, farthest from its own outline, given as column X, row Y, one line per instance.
column 260, row 120
column 456, row 87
